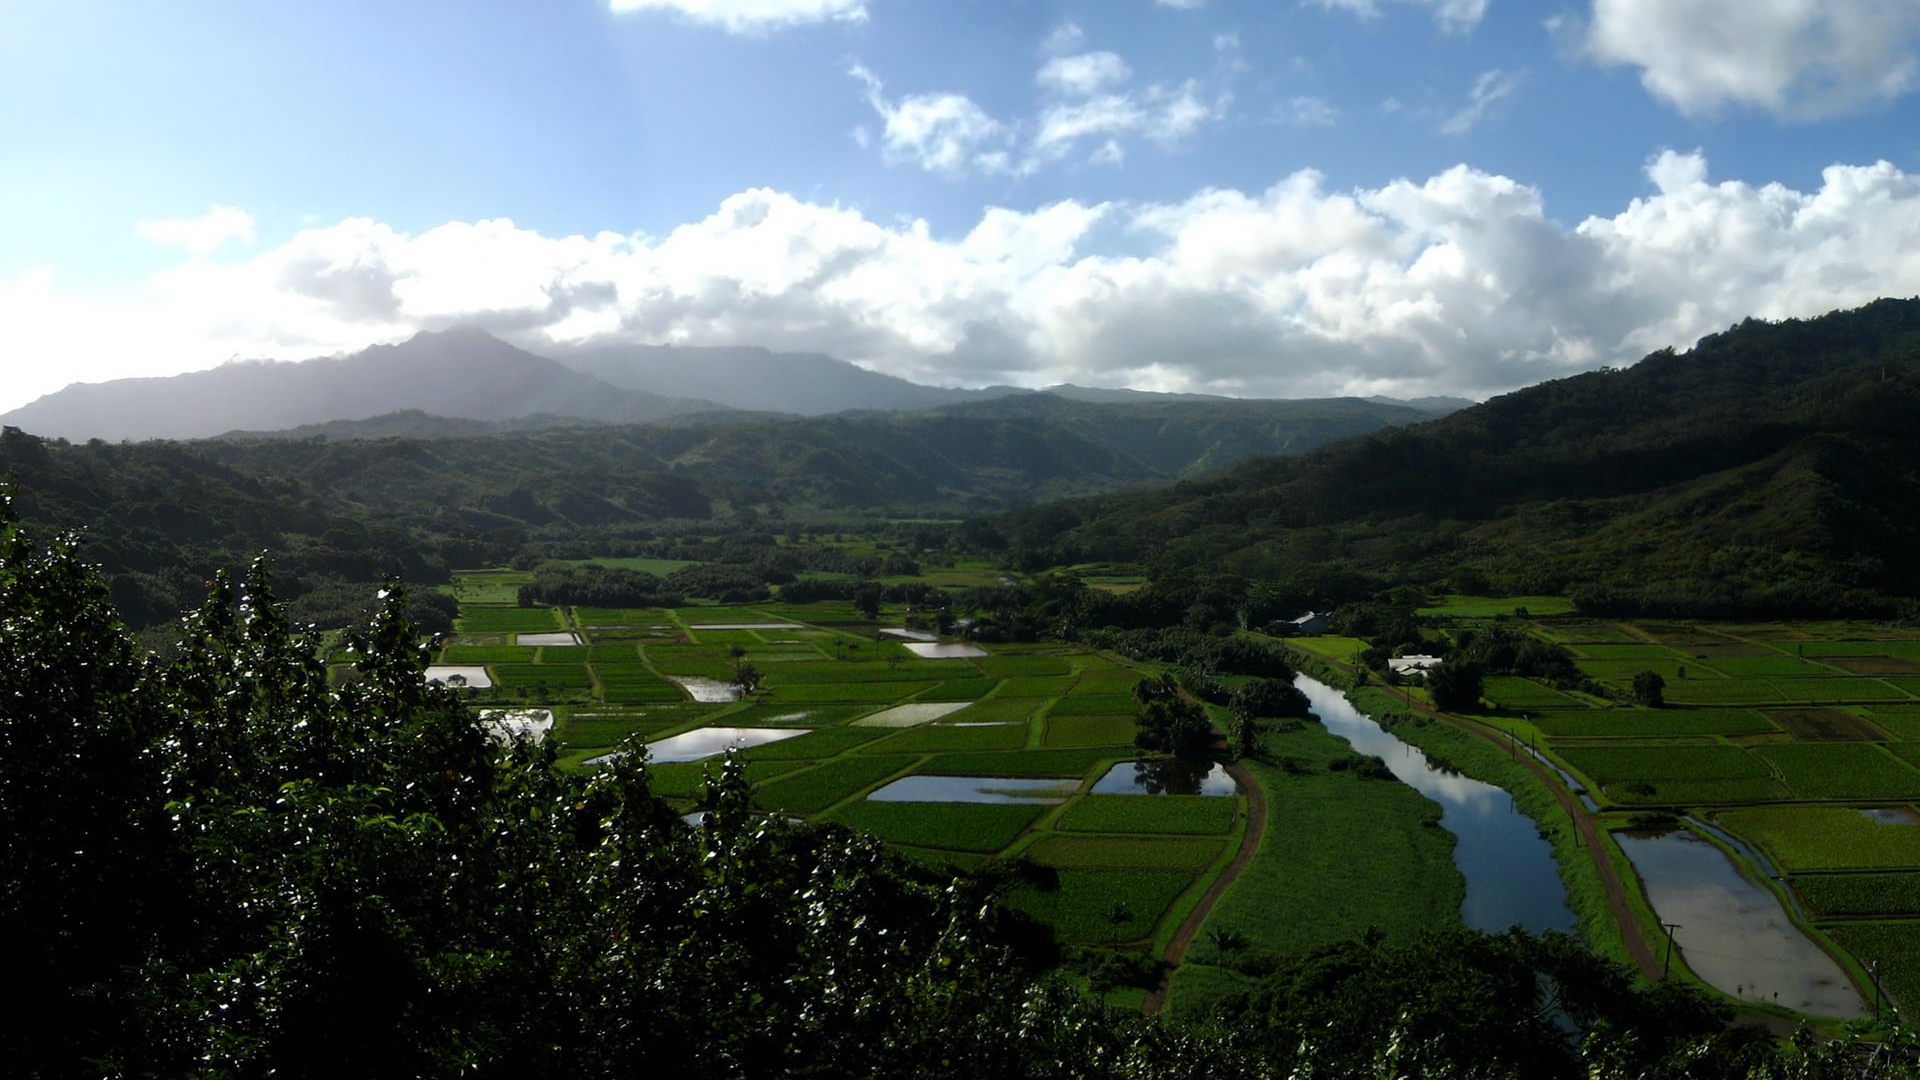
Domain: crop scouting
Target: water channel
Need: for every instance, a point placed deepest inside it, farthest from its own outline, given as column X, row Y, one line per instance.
column 1512, row 879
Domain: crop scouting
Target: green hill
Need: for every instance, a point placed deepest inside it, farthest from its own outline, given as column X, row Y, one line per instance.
column 1770, row 468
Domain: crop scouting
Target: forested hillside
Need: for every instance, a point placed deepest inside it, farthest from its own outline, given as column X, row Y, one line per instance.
column 1774, row 467
column 162, row 516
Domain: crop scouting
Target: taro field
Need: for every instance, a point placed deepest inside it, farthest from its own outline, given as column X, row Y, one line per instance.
column 950, row 753
column 1800, row 739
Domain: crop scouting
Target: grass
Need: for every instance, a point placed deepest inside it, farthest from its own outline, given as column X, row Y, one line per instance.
column 486, row 654
column 961, row 690
column 807, row 793
column 1649, row 723
column 1079, row 906
column 1608, row 764
column 1468, row 607
column 1100, row 705
column 1894, row 947
column 1010, row 667
column 1511, row 692
column 817, row 745
column 1181, row 815
column 984, row 828
column 508, row 620
column 1896, row 893
column 1072, row 731
column 1137, row 852
column 1802, row 838
column 1818, row 771
column 949, row 738
column 554, row 676
column 1341, row 856
column 1029, row 763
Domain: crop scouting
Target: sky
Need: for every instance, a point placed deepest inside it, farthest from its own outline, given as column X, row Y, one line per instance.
column 1274, row 198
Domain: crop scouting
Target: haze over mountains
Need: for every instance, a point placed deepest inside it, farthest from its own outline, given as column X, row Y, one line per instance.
column 443, row 378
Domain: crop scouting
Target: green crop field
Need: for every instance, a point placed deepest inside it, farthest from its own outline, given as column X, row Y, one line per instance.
column 1194, row 815
column 873, row 692
column 961, row 690
column 1098, row 683
column 1510, row 692
column 555, row 676
column 982, row 828
column 1819, row 771
column 1066, row 731
column 1009, row 667
column 1649, row 723
column 471, row 587
column 1104, row 906
column 487, row 654
column 1093, row 706
column 1034, row 688
column 948, row 738
column 1827, row 838
column 508, row 620
column 1467, row 607
column 1893, row 947
column 815, row 789
column 1896, row 893
column 1027, row 763
column 1138, row 852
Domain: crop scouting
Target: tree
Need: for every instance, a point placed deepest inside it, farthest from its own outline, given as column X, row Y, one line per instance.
column 1454, row 687
column 746, row 676
column 1649, row 689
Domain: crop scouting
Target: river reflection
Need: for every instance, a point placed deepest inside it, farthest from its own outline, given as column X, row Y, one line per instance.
column 1732, row 932
column 1168, row 776
column 1512, row 879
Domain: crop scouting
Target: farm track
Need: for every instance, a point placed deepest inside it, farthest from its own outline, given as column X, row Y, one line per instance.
column 1156, row 999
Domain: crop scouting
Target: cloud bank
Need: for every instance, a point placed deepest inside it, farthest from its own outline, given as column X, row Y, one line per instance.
column 1459, row 283
column 1801, row 59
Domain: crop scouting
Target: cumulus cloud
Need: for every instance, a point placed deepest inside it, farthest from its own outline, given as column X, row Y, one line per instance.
column 201, row 235
column 1453, row 16
column 1084, row 73
column 1802, row 59
column 940, row 132
column 1084, row 105
column 1458, row 283
column 749, row 16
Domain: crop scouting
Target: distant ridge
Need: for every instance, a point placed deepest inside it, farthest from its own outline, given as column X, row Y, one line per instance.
column 747, row 377
column 461, row 373
column 465, row 382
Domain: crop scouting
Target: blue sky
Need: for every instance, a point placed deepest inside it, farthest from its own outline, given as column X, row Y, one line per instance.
column 1268, row 197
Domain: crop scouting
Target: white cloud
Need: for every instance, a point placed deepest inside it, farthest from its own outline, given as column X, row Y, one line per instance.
column 1453, row 16
column 1459, row 283
column 940, row 132
column 1802, row 59
column 1162, row 114
column 947, row 132
column 1487, row 89
column 1183, row 5
column 201, row 235
column 1306, row 112
column 749, row 16
column 1083, row 74
column 1063, row 38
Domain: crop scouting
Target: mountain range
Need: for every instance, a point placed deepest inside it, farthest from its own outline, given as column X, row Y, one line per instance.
column 465, row 381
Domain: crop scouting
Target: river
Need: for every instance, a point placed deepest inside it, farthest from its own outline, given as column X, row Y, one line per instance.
column 1512, row 879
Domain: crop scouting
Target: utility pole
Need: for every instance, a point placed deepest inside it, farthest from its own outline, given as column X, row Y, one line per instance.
column 1666, row 966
